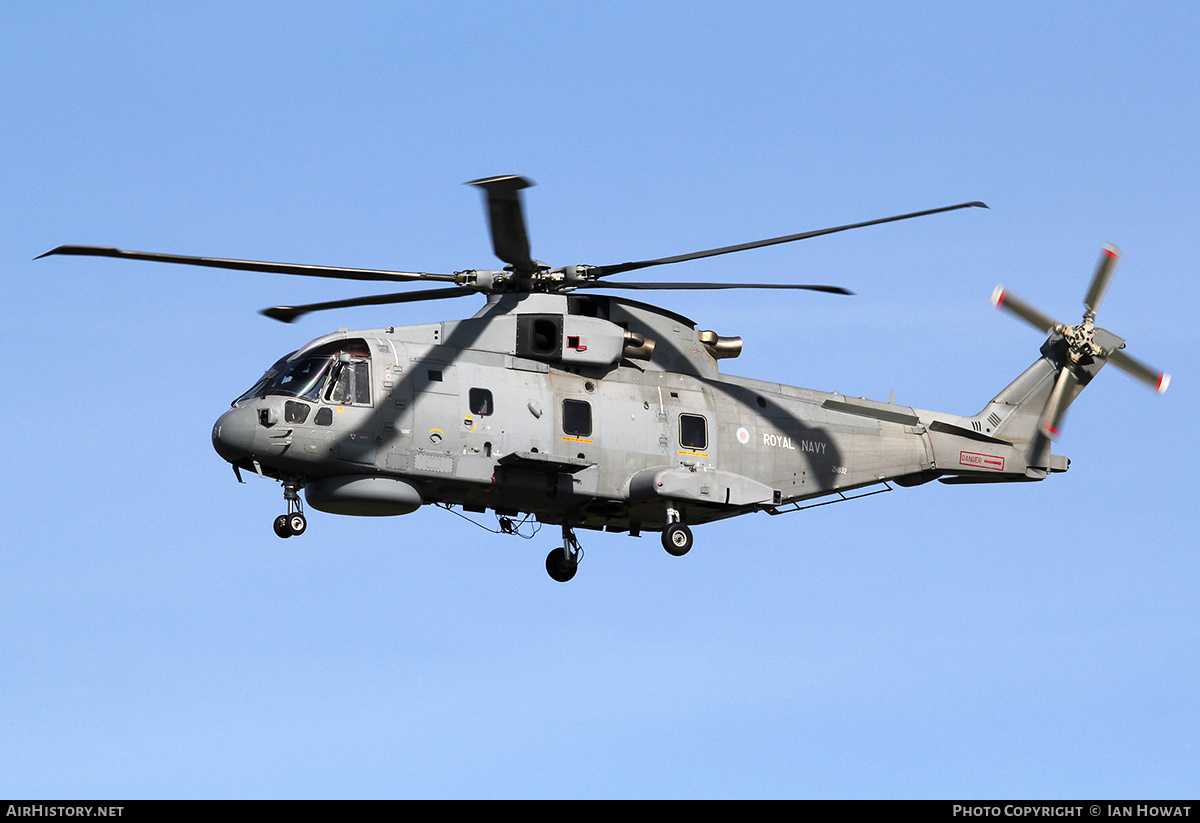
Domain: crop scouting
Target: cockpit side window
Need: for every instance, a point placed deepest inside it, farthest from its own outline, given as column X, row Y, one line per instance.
column 351, row 384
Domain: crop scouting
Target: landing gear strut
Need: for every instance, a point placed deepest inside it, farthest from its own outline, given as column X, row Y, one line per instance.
column 676, row 537
column 562, row 563
column 293, row 523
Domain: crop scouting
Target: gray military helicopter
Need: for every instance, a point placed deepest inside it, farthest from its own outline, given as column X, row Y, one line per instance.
column 555, row 404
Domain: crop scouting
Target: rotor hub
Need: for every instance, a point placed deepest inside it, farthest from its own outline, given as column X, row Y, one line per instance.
column 1081, row 341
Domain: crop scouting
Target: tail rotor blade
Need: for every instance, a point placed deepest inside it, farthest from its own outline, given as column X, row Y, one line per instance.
column 1056, row 406
column 1004, row 299
column 1151, row 377
column 1104, row 269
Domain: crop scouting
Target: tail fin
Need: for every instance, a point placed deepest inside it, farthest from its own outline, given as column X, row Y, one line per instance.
column 1016, row 414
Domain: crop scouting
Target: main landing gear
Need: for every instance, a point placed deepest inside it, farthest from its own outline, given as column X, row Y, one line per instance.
column 293, row 523
column 562, row 563
column 676, row 537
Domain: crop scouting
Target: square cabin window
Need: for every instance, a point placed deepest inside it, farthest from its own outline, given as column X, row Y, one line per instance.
column 577, row 418
column 480, row 402
column 693, row 432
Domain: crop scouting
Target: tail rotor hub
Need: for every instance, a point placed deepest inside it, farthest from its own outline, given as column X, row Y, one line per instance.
column 1081, row 341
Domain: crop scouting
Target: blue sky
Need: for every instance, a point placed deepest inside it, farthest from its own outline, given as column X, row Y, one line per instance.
column 157, row 639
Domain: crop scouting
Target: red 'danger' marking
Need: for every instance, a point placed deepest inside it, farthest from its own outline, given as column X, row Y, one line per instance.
column 981, row 461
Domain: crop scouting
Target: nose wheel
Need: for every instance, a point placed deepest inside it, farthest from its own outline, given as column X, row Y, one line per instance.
column 290, row 525
column 293, row 523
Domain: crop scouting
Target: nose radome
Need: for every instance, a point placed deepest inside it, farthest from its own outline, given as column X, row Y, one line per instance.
column 233, row 434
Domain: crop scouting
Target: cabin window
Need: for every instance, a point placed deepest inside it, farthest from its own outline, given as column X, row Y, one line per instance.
column 577, row 418
column 480, row 402
column 693, row 432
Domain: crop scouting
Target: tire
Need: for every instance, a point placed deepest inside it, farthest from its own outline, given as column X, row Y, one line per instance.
column 677, row 539
column 558, row 567
column 282, row 527
column 296, row 523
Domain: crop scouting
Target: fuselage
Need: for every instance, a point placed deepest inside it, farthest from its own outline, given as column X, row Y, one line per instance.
column 590, row 411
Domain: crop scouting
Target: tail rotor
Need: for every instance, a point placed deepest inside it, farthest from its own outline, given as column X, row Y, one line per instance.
column 1084, row 347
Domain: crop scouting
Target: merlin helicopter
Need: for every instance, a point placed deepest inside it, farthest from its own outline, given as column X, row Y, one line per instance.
column 558, row 404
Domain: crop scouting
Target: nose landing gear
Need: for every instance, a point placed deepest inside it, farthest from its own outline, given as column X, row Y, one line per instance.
column 293, row 523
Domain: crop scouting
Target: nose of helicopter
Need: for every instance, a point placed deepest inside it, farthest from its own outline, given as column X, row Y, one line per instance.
column 233, row 434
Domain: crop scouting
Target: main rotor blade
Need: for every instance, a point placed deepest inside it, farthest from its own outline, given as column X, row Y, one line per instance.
column 507, row 220
column 1056, row 404
column 604, row 271
column 1104, row 269
column 1135, row 368
column 251, row 265
column 667, row 286
column 287, row 314
column 1004, row 299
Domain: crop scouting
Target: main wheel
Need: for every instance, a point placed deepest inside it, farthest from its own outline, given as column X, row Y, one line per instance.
column 677, row 539
column 297, row 523
column 559, row 567
column 282, row 527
